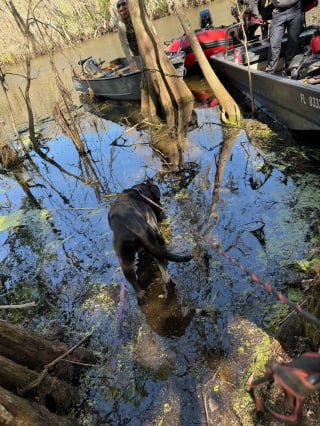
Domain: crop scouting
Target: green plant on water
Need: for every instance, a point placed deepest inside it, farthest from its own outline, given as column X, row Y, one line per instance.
column 256, row 367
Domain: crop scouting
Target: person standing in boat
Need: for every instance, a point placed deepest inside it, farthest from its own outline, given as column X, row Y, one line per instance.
column 127, row 36
column 286, row 15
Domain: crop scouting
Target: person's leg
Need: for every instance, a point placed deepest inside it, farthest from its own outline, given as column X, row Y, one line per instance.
column 294, row 25
column 277, row 27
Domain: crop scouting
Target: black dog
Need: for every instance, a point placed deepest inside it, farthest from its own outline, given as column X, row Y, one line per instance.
column 133, row 218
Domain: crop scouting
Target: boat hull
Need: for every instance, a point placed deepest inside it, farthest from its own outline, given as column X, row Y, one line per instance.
column 121, row 84
column 122, row 87
column 294, row 103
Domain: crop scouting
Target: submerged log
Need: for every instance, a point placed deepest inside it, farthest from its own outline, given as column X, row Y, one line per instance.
column 28, row 361
column 57, row 395
column 16, row 411
column 35, row 352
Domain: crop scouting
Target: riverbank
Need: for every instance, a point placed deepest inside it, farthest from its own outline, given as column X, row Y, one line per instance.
column 42, row 26
column 58, row 25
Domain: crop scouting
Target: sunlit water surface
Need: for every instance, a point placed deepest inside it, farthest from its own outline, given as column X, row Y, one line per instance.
column 56, row 249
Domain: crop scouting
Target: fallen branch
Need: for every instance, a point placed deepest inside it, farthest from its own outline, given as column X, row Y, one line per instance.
column 21, row 306
column 46, row 369
column 62, row 395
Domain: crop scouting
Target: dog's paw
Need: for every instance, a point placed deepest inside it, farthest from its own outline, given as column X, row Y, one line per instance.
column 141, row 296
column 170, row 284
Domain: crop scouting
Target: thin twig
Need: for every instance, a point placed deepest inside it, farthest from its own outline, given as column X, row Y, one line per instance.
column 22, row 306
column 72, row 208
column 44, row 372
column 83, row 364
column 291, row 313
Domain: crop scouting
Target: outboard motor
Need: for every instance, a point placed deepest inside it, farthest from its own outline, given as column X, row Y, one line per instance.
column 205, row 18
column 92, row 67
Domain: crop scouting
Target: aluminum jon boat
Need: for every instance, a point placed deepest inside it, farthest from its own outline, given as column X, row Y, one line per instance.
column 295, row 103
column 115, row 81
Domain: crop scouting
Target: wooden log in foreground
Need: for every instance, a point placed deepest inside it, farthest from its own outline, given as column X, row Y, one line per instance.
column 53, row 393
column 16, row 411
column 35, row 352
column 27, row 362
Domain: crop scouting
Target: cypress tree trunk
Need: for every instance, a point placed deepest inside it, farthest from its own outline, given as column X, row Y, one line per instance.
column 230, row 109
column 162, row 89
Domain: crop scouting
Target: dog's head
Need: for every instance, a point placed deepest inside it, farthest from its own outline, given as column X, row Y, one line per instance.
column 151, row 192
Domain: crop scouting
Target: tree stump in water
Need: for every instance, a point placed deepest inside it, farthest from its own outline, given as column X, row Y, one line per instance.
column 28, row 362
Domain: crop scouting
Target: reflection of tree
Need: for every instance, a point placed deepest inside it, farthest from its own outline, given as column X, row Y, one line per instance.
column 168, row 150
column 23, row 267
column 170, row 155
column 226, row 146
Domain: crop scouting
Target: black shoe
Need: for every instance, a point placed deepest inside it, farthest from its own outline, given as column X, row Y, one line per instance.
column 286, row 73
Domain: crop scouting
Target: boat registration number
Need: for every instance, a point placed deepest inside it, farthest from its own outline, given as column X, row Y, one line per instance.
column 312, row 101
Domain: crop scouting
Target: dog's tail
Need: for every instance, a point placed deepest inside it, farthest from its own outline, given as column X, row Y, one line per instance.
column 177, row 257
column 163, row 253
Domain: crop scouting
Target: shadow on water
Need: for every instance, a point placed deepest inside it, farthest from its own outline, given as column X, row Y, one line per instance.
column 175, row 360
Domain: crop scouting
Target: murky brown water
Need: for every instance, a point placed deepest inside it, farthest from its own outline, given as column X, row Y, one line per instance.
column 43, row 91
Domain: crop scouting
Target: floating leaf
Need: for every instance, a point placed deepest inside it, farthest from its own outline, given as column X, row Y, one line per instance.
column 303, row 264
column 10, row 220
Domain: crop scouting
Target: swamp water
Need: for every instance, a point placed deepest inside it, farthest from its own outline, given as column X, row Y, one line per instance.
column 178, row 360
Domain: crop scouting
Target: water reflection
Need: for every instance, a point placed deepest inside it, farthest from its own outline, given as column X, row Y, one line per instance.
column 56, row 249
column 163, row 311
column 223, row 157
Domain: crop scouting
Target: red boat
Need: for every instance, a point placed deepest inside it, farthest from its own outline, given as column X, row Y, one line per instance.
column 211, row 40
column 219, row 39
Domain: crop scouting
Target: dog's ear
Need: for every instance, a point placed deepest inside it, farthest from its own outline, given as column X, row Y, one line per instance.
column 155, row 191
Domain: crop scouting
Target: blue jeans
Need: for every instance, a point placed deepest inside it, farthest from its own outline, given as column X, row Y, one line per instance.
column 290, row 19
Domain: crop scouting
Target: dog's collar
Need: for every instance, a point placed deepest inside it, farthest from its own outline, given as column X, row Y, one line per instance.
column 148, row 199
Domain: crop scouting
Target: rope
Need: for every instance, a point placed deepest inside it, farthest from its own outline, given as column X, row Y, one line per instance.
column 148, row 199
column 267, row 285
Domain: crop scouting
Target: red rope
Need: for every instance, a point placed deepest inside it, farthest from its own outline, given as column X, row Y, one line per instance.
column 267, row 285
